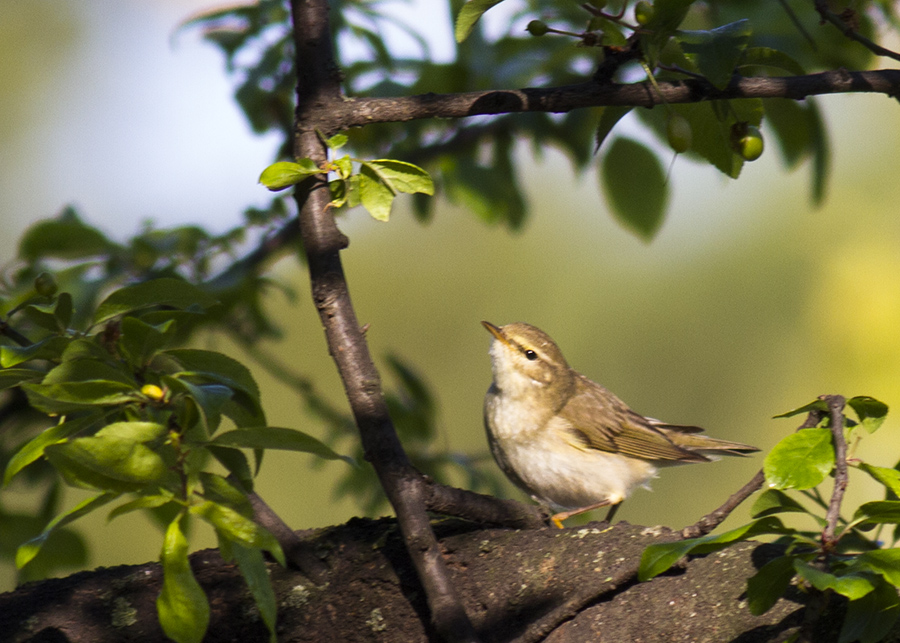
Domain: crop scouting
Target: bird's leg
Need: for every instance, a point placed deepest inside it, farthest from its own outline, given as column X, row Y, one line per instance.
column 565, row 515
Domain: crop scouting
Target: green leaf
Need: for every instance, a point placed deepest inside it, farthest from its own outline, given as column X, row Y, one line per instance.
column 166, row 291
column 801, row 460
column 141, row 341
column 235, row 462
column 878, row 512
column 853, row 586
column 815, row 405
column 871, row 412
column 890, row 478
column 277, row 438
column 77, row 396
column 658, row 558
column 88, row 370
column 374, row 195
column 35, row 448
column 182, row 606
column 143, row 502
column 716, row 52
column 111, row 456
column 10, row 377
column 337, row 141
column 50, row 349
column 215, row 366
column 381, row 180
column 771, row 58
column 29, row 550
column 769, row 584
column 134, row 431
column 253, row 568
column 209, row 400
column 470, row 13
column 635, row 182
column 237, row 528
column 399, row 176
column 220, row 490
column 66, row 237
column 281, row 175
column 773, row 501
column 790, row 121
column 869, row 619
column 884, row 562
column 609, row 117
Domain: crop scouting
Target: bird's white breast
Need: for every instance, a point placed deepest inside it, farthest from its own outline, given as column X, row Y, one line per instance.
column 550, row 466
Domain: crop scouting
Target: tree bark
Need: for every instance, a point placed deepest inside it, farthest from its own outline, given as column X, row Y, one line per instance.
column 561, row 586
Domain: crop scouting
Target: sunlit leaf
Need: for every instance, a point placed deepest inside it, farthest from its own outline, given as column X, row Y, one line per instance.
column 281, row 175
column 800, row 460
column 871, row 412
column 29, row 550
column 470, row 13
column 182, row 606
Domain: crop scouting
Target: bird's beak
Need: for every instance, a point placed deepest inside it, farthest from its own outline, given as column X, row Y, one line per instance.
column 496, row 332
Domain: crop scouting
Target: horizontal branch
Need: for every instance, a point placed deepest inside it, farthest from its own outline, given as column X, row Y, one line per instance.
column 356, row 112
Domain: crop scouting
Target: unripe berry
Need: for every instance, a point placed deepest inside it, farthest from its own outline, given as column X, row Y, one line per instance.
column 537, row 28
column 750, row 146
column 643, row 12
column 679, row 133
column 45, row 284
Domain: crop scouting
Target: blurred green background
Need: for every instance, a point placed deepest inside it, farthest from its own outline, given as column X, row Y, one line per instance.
column 748, row 303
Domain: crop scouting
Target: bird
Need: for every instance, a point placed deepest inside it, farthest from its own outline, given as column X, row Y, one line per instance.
column 570, row 443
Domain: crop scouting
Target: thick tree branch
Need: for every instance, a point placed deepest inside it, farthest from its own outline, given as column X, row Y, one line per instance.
column 366, row 111
column 318, row 95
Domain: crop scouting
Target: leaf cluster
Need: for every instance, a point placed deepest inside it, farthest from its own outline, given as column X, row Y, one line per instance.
column 472, row 162
column 138, row 420
column 854, row 563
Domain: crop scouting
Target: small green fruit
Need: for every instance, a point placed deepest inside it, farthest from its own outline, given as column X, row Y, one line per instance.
column 751, row 145
column 679, row 133
column 45, row 284
column 537, row 28
column 643, row 12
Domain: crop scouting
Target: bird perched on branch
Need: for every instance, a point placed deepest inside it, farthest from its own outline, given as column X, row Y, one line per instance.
column 568, row 442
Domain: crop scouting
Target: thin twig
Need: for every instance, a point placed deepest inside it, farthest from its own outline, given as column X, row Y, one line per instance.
column 851, row 33
column 713, row 519
column 13, row 334
column 836, row 410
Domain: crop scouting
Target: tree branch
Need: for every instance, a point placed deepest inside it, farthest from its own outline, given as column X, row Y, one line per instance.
column 851, row 33
column 357, row 112
column 318, row 96
column 836, row 408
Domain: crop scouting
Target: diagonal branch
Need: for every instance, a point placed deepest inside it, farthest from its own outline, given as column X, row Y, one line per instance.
column 847, row 29
column 318, row 94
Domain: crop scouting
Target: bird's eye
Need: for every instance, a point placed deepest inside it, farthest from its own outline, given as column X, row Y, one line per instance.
column 530, row 355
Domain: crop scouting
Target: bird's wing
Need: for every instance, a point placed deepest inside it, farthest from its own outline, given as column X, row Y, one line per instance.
column 600, row 420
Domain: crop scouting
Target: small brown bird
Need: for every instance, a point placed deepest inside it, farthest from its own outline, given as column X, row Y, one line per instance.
column 568, row 442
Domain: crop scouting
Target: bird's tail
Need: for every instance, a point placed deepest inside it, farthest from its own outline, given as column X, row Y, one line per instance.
column 693, row 439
